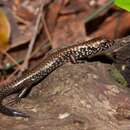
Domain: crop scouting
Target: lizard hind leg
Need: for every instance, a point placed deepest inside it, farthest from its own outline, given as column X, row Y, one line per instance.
column 23, row 93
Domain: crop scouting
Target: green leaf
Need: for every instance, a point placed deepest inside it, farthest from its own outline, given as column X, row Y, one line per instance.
column 124, row 4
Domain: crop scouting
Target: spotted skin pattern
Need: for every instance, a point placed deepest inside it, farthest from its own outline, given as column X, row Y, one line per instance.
column 86, row 49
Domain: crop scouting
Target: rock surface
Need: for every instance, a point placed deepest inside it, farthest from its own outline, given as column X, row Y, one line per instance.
column 73, row 97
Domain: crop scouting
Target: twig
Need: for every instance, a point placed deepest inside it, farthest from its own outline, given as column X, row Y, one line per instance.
column 45, row 25
column 47, row 30
column 45, row 48
column 36, row 30
column 12, row 75
column 20, row 20
column 17, row 44
column 11, row 58
column 98, row 11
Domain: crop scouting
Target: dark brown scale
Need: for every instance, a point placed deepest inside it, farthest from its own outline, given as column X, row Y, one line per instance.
column 57, row 58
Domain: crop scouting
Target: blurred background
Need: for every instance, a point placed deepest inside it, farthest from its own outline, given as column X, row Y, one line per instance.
column 31, row 28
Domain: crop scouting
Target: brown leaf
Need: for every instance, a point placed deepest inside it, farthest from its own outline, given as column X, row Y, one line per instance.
column 69, row 28
column 115, row 26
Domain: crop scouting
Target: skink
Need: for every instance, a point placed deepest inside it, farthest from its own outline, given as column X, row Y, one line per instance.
column 73, row 53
